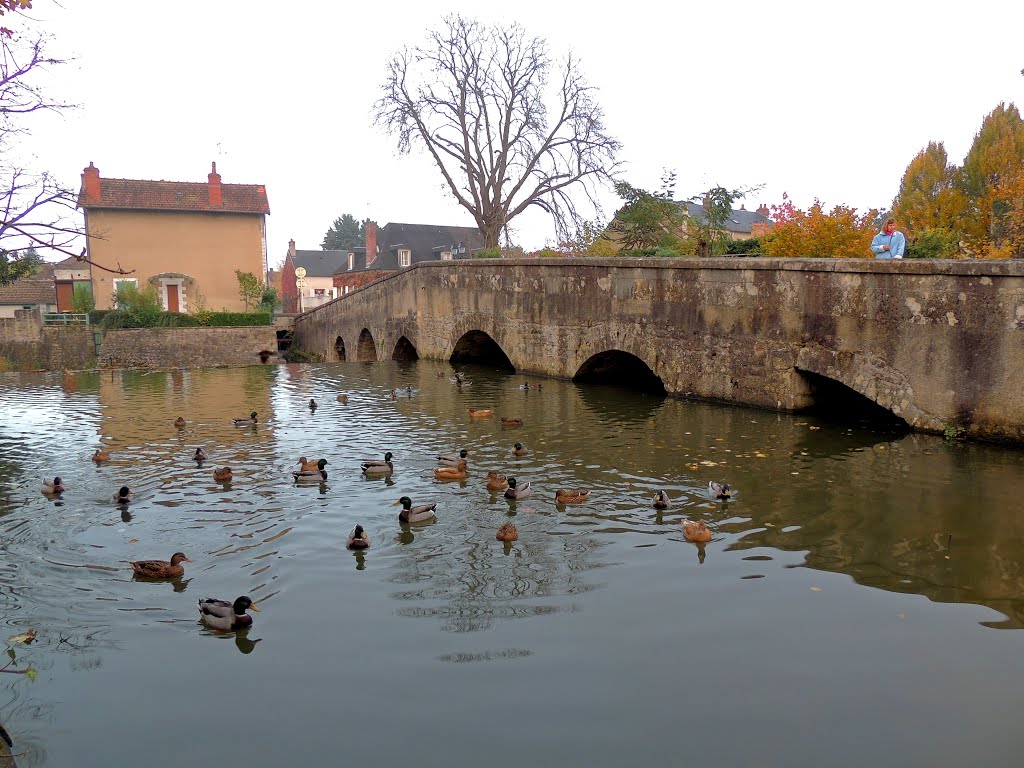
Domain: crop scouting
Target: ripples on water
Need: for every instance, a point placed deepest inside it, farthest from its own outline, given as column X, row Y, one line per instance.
column 599, row 607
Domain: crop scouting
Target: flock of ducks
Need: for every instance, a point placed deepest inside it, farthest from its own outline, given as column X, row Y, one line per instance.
column 233, row 615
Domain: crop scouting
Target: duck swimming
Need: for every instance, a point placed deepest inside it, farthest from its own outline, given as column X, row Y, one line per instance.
column 515, row 492
column 418, row 514
column 357, row 539
column 310, row 466
column 342, row 398
column 222, row 475
column 507, row 532
column 660, row 500
column 52, row 489
column 319, row 473
column 312, row 404
column 507, row 421
column 244, row 422
column 161, row 569
column 496, row 482
column 519, row 449
column 481, row 413
column 372, row 468
column 100, row 456
column 720, row 491
column 571, row 497
column 179, row 423
column 199, row 456
column 452, row 473
column 225, row 616
column 123, row 495
column 453, row 459
column 696, row 531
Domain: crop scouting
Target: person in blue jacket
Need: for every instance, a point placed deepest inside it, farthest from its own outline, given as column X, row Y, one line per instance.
column 889, row 243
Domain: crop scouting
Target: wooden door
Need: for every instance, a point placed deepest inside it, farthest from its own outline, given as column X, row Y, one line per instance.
column 172, row 298
column 65, row 294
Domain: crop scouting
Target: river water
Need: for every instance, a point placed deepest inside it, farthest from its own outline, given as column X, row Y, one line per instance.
column 860, row 602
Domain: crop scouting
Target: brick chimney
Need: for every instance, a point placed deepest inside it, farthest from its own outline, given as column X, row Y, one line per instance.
column 763, row 210
column 91, row 182
column 371, row 241
column 215, row 197
column 291, row 249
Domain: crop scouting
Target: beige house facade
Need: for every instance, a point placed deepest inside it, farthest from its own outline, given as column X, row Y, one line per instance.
column 186, row 239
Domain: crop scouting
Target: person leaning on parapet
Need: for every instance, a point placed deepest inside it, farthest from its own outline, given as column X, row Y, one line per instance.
column 889, row 243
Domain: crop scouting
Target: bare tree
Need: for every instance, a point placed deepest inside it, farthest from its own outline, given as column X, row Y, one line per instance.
column 478, row 98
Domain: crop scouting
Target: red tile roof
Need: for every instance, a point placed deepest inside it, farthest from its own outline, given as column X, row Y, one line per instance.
column 175, row 196
column 29, row 290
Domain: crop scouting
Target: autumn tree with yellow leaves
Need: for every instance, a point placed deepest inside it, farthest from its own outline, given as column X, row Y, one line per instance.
column 841, row 233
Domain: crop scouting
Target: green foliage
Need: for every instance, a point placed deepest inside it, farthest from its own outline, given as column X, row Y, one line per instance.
column 487, row 253
column 250, row 288
column 296, row 355
column 140, row 307
column 710, row 237
column 269, row 301
column 935, row 244
column 14, row 266
column 120, row 318
column 238, row 318
column 345, row 234
column 82, row 299
column 648, row 219
column 660, row 252
column 751, row 247
column 954, row 432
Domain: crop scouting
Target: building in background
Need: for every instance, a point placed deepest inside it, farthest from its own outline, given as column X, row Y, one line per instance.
column 184, row 238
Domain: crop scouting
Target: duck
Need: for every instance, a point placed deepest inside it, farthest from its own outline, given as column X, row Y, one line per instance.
column 123, row 495
column 496, row 482
column 507, row 421
column 507, row 532
column 696, row 531
column 179, row 423
column 310, row 466
column 52, row 489
column 312, row 404
column 519, row 449
column 393, row 394
column 463, row 384
column 525, row 386
column 357, row 539
column 373, row 468
column 161, row 569
column 457, row 378
column 409, row 391
column 222, row 475
column 660, row 500
column 342, row 398
column 418, row 514
column 452, row 473
column 199, row 455
column 571, row 497
column 481, row 413
column 100, row 456
column 453, row 459
column 720, row 491
column 515, row 492
column 222, row 615
column 243, row 422
column 319, row 473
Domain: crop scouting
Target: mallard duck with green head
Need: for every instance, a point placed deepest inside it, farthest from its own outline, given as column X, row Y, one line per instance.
column 421, row 513
column 52, row 489
column 225, row 616
column 245, row 422
column 373, row 468
column 358, row 539
column 319, row 474
column 515, row 491
column 452, row 459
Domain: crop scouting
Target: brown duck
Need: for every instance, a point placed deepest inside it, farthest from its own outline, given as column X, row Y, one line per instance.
column 161, row 569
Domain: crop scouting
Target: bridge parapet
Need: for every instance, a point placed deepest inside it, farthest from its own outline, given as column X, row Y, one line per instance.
column 938, row 343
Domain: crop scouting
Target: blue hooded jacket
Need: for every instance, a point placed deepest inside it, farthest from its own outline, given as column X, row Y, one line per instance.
column 897, row 245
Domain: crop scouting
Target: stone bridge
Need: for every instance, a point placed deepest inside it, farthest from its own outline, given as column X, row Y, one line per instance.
column 939, row 344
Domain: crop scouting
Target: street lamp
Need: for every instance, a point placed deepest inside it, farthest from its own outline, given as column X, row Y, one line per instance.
column 300, row 283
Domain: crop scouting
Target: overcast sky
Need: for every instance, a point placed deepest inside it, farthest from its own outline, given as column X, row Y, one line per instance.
column 816, row 99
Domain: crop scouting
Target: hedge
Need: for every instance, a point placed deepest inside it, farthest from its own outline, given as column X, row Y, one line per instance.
column 114, row 318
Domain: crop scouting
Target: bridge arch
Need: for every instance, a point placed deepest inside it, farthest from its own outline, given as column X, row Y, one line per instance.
column 475, row 346
column 405, row 351
column 367, row 350
column 339, row 348
column 619, row 368
column 853, row 384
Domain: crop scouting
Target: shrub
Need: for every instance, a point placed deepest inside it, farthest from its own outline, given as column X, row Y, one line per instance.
column 934, row 244
column 140, row 306
column 296, row 355
column 487, row 253
column 82, row 300
column 238, row 318
column 749, row 247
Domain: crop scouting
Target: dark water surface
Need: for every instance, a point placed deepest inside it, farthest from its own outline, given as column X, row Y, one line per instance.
column 847, row 612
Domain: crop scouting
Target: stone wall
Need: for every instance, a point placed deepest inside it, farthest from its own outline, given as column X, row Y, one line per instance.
column 26, row 344
column 938, row 343
column 187, row 347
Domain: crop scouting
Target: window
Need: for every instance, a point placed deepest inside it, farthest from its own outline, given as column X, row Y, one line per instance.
column 319, row 291
column 446, row 255
column 118, row 282
column 351, row 262
column 404, row 257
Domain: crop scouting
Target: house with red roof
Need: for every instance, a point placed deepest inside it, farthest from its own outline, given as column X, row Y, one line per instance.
column 185, row 238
